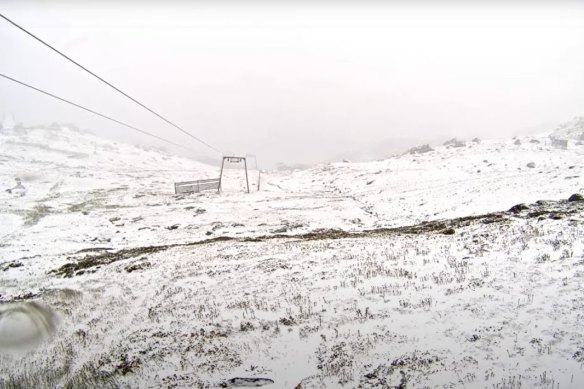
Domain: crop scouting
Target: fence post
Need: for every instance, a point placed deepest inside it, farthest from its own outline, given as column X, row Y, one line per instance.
column 246, row 179
column 221, row 175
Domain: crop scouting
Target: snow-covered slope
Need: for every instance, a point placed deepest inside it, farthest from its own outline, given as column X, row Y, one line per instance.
column 572, row 130
column 407, row 272
column 479, row 177
column 64, row 170
column 60, row 159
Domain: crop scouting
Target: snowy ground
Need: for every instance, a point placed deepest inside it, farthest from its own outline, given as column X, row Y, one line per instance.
column 379, row 274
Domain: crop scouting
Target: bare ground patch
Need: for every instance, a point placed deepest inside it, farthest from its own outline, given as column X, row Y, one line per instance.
column 541, row 209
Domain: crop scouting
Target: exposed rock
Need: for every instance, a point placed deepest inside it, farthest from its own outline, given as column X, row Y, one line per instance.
column 454, row 143
column 11, row 265
column 576, row 197
column 287, row 321
column 531, row 165
column 518, row 208
column 239, row 382
column 474, row 338
column 574, row 129
column 138, row 266
column 449, row 231
column 19, row 190
column 421, row 149
column 517, row 142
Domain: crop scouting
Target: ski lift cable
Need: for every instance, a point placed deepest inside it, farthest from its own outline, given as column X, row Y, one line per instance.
column 109, row 84
column 94, row 112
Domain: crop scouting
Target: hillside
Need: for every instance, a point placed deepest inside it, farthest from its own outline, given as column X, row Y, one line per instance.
column 407, row 272
column 450, row 181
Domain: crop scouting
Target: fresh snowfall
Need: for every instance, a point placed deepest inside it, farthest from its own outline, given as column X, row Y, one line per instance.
column 459, row 265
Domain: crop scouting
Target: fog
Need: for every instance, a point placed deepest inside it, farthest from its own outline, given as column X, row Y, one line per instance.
column 299, row 83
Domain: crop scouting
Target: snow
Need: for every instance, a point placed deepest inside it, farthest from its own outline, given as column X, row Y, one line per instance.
column 311, row 280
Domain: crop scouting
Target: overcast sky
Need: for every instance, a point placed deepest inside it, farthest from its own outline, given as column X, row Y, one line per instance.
column 300, row 81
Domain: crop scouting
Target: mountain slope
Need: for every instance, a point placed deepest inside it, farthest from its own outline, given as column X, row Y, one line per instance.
column 404, row 272
column 62, row 168
column 451, row 181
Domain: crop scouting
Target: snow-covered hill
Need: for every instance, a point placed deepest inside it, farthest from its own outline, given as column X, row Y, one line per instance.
column 572, row 130
column 407, row 272
column 71, row 160
column 481, row 176
column 63, row 169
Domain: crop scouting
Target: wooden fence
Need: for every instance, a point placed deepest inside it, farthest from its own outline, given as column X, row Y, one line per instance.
column 196, row 186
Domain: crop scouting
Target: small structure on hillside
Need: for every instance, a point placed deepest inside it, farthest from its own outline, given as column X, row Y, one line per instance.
column 215, row 183
column 196, row 186
column 233, row 159
column 559, row 143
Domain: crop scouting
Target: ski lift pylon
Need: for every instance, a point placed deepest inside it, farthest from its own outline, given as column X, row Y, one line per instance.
column 233, row 159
